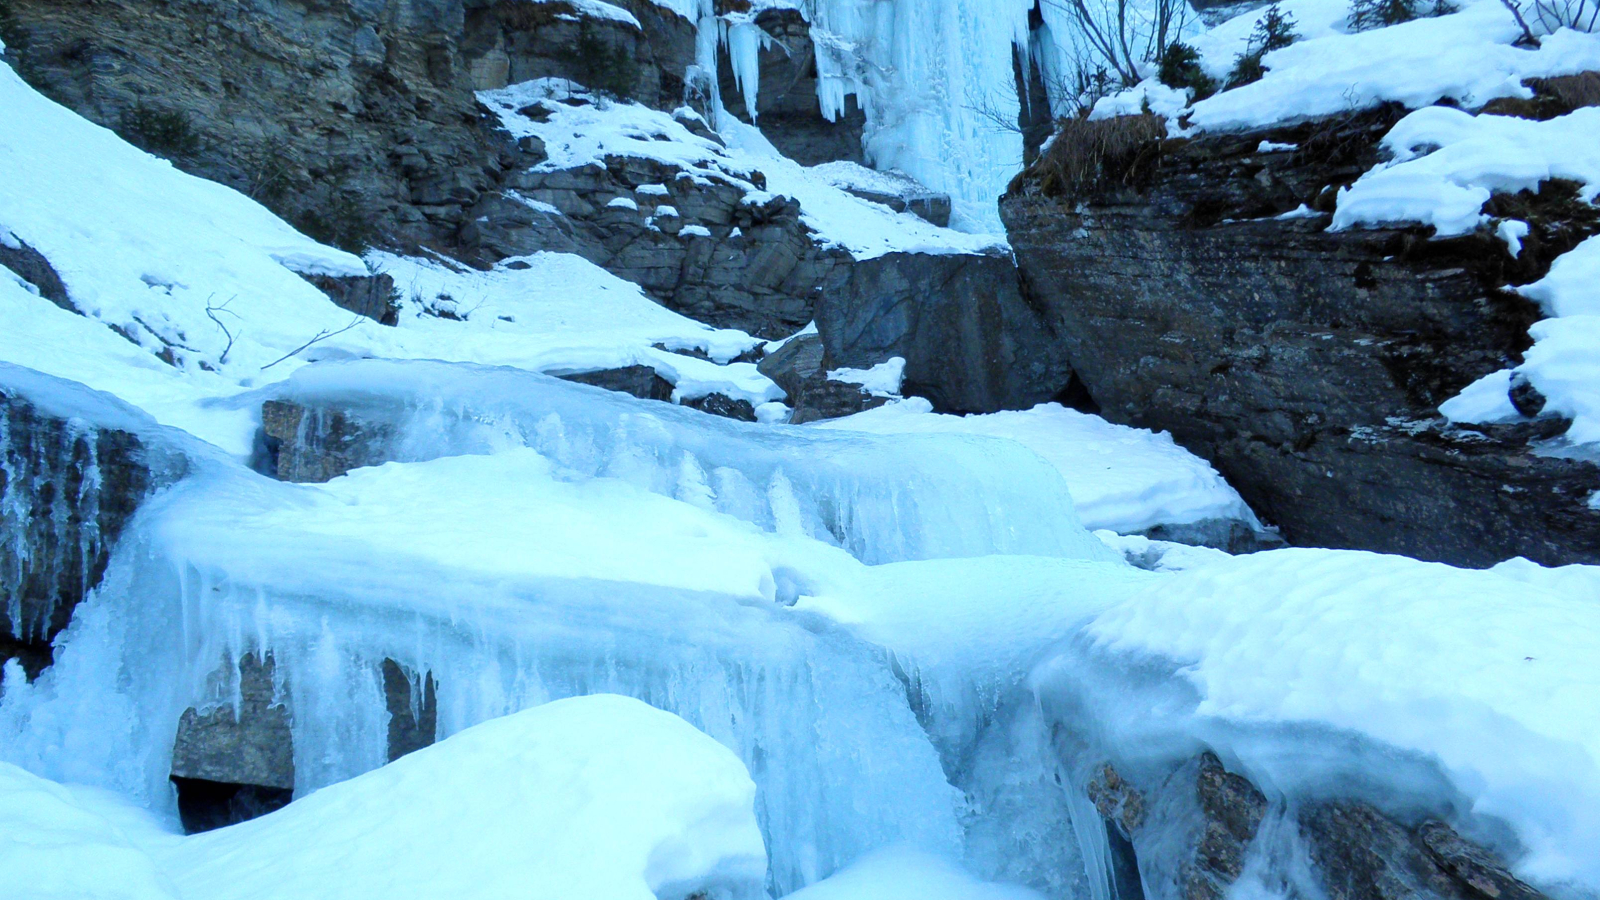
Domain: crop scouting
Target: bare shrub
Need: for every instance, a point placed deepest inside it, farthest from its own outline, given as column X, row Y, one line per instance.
column 1091, row 155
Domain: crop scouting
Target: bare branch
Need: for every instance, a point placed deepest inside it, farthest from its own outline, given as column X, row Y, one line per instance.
column 322, row 335
column 1516, row 13
column 211, row 313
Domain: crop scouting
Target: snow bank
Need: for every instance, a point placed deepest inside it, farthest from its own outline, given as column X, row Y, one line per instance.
column 598, row 796
column 1460, row 687
column 1124, row 479
column 61, row 850
column 1466, row 56
column 1448, row 162
column 901, row 873
column 146, row 249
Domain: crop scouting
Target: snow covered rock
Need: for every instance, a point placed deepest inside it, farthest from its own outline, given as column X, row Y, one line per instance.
column 1123, row 479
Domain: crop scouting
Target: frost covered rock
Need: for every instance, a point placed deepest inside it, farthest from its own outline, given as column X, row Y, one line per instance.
column 75, row 465
column 1309, row 366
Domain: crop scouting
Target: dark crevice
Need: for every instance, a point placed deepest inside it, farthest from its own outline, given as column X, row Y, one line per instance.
column 207, row 805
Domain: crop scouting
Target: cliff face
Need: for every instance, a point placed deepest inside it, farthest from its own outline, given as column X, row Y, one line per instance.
column 1308, row 365
column 353, row 119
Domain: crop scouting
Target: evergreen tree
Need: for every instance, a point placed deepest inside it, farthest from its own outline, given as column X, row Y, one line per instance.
column 1180, row 68
column 1273, row 31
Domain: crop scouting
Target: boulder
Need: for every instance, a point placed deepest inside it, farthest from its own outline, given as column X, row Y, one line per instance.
column 640, row 381
column 800, row 367
column 971, row 340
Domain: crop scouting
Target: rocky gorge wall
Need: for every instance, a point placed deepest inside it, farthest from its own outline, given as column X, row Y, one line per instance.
column 1307, row 365
column 353, row 119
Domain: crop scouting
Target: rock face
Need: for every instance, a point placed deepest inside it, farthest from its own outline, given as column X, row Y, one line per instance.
column 786, row 95
column 970, row 340
column 67, row 489
column 1307, row 366
column 691, row 241
column 285, row 101
column 1192, row 832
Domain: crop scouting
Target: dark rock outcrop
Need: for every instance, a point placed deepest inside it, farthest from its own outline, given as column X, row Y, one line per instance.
column 786, row 95
column 511, row 41
column 247, row 745
column 1307, row 365
column 313, row 445
column 31, row 266
column 640, row 381
column 372, row 296
column 971, row 341
column 413, row 705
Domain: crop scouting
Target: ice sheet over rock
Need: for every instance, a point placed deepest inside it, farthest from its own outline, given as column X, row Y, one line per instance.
column 881, row 498
column 510, row 586
column 1121, row 478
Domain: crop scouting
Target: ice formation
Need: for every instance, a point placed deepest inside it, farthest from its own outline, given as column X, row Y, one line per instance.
column 881, row 499
column 1123, row 479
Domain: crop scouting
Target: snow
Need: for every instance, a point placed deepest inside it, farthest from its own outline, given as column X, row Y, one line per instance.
column 599, row 128
column 1486, row 680
column 881, row 380
column 597, row 9
column 62, row 850
column 1564, row 366
column 901, row 873
column 1572, row 286
column 598, row 796
column 1466, row 56
column 1448, row 162
column 1121, row 478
